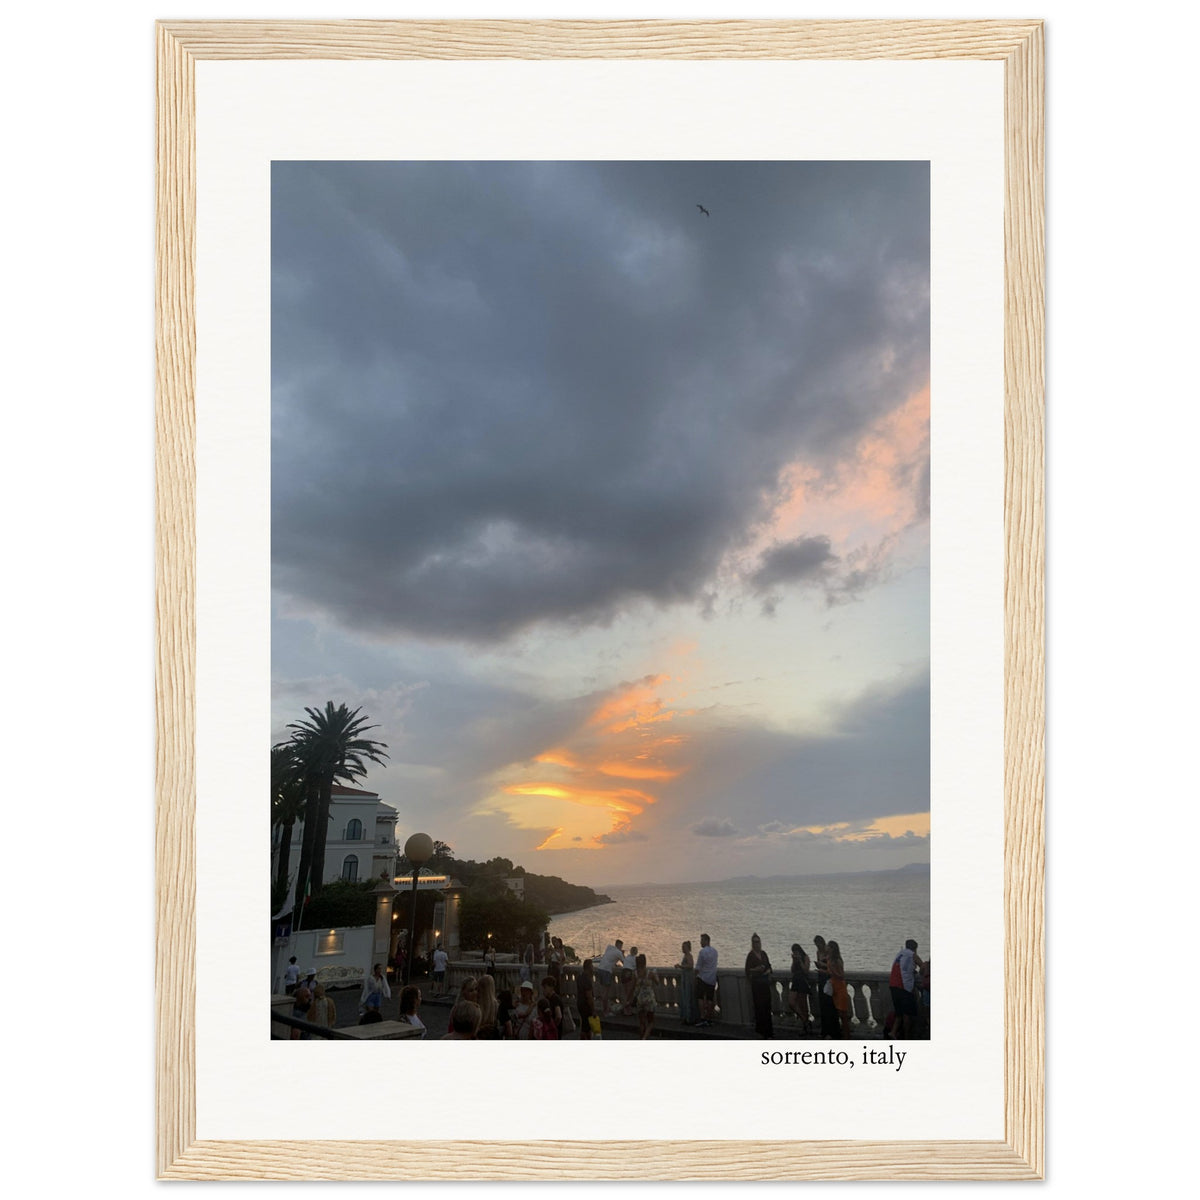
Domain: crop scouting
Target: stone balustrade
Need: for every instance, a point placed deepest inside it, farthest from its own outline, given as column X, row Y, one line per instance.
column 870, row 995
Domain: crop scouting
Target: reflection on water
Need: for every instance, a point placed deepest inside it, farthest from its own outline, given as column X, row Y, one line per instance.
column 870, row 916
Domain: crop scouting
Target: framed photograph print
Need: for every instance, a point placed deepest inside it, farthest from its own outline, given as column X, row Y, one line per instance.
column 600, row 503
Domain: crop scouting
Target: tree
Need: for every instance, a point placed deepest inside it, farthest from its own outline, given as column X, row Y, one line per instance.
column 511, row 922
column 342, row 903
column 330, row 748
column 441, row 861
column 287, row 807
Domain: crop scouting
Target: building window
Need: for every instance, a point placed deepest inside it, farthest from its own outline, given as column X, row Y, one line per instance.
column 350, row 868
column 354, row 831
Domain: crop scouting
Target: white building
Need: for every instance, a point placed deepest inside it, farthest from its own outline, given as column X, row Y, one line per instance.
column 360, row 842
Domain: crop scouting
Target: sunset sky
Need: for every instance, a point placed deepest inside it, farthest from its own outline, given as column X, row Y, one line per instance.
column 612, row 515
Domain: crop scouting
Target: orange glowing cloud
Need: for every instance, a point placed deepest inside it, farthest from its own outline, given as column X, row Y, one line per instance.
column 572, row 793
column 557, row 758
column 870, row 494
column 635, row 705
column 546, row 843
column 634, row 770
column 901, row 825
column 626, row 800
column 916, row 824
column 648, row 715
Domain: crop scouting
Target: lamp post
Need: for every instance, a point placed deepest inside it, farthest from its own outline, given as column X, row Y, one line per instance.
column 418, row 850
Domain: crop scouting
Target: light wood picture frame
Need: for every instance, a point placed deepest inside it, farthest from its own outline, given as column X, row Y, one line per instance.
column 1018, row 45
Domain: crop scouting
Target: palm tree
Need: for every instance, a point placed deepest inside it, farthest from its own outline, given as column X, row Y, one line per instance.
column 287, row 804
column 329, row 748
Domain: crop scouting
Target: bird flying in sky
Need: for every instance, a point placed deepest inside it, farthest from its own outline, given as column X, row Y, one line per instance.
column 703, row 209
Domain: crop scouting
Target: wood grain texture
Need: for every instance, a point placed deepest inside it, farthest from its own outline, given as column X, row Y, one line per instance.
column 175, row 595
column 1024, row 573
column 530, row 1162
column 1019, row 44
column 601, row 39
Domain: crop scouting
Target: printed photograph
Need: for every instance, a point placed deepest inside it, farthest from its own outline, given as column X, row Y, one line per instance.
column 600, row 587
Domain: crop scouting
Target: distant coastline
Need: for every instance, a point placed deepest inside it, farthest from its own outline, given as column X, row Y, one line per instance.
column 914, row 868
column 600, row 899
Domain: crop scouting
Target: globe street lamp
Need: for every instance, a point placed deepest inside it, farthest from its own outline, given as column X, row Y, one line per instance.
column 418, row 850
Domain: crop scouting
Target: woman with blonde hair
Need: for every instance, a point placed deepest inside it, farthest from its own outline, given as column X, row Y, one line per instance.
column 489, row 1010
column 322, row 1011
column 464, row 1022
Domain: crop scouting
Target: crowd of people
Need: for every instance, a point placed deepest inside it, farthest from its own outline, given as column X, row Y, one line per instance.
column 483, row 1013
column 818, row 999
column 621, row 983
column 820, row 984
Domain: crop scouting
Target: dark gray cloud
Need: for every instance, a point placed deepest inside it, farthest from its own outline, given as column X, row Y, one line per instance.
column 873, row 762
column 862, row 569
column 511, row 392
column 773, row 827
column 716, row 827
column 804, row 560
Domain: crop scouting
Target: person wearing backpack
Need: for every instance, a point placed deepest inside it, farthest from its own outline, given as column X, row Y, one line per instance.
column 903, row 983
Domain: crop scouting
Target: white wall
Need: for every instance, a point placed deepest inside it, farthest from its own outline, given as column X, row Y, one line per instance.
column 357, row 948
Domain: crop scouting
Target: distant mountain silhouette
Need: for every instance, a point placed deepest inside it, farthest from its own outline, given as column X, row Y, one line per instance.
column 910, row 869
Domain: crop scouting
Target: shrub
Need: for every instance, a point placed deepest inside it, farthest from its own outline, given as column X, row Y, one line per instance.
column 340, row 904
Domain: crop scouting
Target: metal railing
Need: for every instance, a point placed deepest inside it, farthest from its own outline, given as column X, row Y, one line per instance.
column 318, row 1031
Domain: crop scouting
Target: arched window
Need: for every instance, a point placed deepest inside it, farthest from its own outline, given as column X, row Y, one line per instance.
column 354, row 831
column 350, row 868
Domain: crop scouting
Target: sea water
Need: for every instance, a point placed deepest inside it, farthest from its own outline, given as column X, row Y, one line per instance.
column 870, row 916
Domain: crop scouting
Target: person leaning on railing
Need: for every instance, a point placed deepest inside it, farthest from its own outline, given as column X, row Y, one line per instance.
column 689, row 1013
column 830, row 1026
column 837, row 977
column 644, row 999
column 799, row 988
column 706, row 980
column 758, row 971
